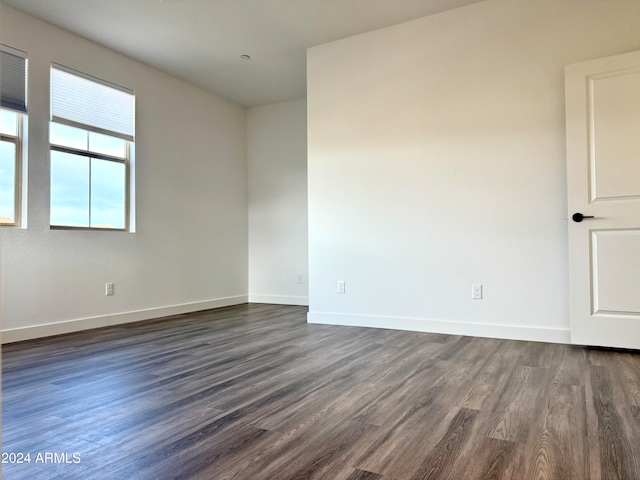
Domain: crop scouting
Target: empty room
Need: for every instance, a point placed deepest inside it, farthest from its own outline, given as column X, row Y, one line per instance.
column 320, row 239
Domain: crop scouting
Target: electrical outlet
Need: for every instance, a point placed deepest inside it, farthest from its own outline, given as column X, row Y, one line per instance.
column 108, row 289
column 300, row 278
column 341, row 286
column 476, row 292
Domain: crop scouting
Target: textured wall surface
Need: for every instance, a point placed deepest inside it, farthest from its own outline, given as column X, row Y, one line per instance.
column 190, row 245
column 437, row 161
column 277, row 168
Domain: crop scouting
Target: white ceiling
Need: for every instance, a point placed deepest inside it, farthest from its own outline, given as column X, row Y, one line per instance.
column 201, row 41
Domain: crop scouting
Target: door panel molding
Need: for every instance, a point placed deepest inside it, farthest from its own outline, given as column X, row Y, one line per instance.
column 603, row 182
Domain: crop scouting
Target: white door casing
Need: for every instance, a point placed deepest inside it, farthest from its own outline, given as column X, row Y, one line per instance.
column 603, row 181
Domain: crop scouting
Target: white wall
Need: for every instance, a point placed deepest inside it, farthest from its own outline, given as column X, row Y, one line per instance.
column 437, row 160
column 277, row 163
column 190, row 248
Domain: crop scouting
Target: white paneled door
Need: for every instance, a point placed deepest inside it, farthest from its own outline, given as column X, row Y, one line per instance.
column 603, row 181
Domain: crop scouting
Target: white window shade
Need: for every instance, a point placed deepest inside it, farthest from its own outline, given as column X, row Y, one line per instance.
column 91, row 104
column 13, row 79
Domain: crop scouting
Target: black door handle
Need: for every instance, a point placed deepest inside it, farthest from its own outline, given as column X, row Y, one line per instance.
column 578, row 217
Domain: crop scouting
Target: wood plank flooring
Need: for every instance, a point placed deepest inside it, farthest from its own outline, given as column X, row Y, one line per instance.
column 253, row 392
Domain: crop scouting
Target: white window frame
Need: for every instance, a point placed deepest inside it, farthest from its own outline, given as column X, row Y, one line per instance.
column 126, row 160
column 100, row 156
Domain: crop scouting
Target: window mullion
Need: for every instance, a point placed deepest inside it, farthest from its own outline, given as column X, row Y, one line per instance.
column 83, row 153
column 9, row 138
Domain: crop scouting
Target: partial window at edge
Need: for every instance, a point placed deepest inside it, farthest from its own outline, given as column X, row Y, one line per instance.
column 13, row 108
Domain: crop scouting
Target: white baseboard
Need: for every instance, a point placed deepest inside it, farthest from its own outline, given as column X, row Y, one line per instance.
column 49, row 329
column 279, row 299
column 511, row 332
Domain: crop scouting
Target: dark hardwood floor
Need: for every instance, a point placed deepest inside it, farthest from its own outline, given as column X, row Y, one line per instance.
column 253, row 392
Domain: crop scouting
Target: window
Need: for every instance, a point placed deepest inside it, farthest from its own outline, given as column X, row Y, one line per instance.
column 91, row 137
column 13, row 106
